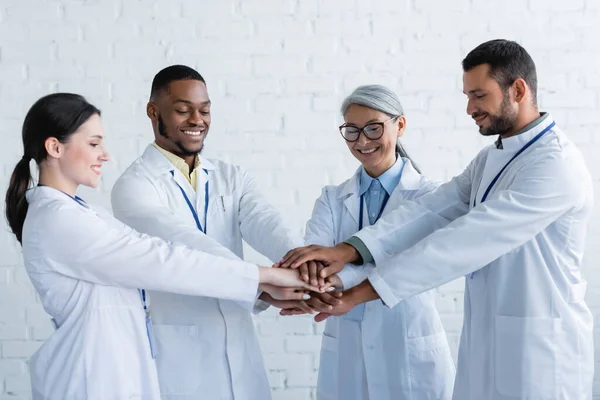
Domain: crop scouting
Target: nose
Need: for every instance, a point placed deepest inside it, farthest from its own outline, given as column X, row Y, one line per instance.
column 196, row 118
column 363, row 139
column 104, row 157
column 470, row 107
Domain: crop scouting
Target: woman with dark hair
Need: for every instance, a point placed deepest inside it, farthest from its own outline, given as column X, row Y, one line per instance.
column 86, row 266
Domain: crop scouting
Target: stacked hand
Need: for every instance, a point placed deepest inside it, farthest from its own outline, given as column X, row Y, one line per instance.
column 317, row 266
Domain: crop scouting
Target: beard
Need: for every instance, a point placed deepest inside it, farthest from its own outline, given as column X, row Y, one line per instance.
column 500, row 123
column 182, row 150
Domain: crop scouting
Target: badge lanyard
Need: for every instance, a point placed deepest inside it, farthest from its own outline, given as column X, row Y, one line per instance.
column 191, row 207
column 149, row 329
column 491, row 185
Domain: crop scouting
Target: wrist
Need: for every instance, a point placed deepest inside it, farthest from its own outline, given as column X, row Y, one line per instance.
column 348, row 253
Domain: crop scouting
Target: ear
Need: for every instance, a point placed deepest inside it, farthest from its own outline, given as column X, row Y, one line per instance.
column 520, row 89
column 152, row 111
column 401, row 125
column 54, row 148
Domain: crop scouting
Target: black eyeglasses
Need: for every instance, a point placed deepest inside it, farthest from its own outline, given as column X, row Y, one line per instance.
column 372, row 131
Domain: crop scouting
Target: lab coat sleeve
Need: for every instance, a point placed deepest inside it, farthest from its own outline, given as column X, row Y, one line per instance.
column 136, row 202
column 412, row 220
column 262, row 226
column 320, row 230
column 542, row 191
column 81, row 245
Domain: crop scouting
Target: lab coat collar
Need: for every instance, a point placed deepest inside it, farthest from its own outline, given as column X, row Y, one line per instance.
column 159, row 164
column 515, row 143
column 41, row 193
column 410, row 180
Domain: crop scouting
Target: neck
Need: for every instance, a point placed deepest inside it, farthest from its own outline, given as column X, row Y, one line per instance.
column 190, row 160
column 376, row 171
column 522, row 121
column 50, row 177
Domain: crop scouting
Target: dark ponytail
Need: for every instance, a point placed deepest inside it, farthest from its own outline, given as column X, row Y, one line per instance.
column 57, row 115
column 16, row 204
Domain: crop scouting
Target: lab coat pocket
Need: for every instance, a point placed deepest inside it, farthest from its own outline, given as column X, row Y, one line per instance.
column 328, row 369
column 430, row 367
column 526, row 357
column 178, row 358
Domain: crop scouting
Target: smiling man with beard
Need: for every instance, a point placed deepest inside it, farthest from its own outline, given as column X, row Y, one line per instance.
column 206, row 348
column 514, row 222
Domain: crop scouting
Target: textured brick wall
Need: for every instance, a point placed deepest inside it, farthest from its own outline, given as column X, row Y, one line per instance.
column 277, row 72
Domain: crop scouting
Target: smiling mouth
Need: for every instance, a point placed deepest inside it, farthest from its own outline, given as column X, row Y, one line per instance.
column 194, row 133
column 96, row 169
column 367, row 151
column 480, row 118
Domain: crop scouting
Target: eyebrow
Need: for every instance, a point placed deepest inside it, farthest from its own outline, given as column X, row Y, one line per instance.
column 97, row 137
column 190, row 103
column 474, row 91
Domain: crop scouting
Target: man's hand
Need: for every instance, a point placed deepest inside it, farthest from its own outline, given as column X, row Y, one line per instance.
column 332, row 259
column 299, row 306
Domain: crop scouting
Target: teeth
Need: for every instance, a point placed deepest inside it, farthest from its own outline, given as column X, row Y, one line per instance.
column 192, row 133
column 368, row 151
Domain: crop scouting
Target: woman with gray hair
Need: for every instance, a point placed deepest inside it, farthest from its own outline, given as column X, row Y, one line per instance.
column 370, row 351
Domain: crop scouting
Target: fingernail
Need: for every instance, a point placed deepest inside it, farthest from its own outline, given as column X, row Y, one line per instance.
column 305, row 296
column 305, row 277
column 330, row 289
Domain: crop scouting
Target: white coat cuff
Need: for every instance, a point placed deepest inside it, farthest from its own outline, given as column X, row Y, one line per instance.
column 382, row 288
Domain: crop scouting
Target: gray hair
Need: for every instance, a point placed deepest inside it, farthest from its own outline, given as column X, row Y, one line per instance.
column 380, row 98
column 376, row 97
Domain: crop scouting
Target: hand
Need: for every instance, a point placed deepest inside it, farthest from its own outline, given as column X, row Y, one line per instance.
column 285, row 293
column 333, row 258
column 284, row 278
column 324, row 306
column 310, row 273
column 352, row 297
column 321, row 302
column 299, row 305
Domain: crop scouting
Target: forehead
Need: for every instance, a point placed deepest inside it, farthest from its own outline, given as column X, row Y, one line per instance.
column 189, row 90
column 91, row 127
column 478, row 78
column 357, row 114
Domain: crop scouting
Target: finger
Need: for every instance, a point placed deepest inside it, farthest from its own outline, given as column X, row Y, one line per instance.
column 329, row 299
column 322, row 317
column 304, row 274
column 311, row 254
column 292, row 255
column 312, row 270
column 311, row 287
column 330, row 270
column 276, row 265
column 305, row 308
column 319, row 305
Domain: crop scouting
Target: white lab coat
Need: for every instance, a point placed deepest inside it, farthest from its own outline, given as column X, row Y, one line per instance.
column 86, row 266
column 375, row 352
column 207, row 348
column 527, row 332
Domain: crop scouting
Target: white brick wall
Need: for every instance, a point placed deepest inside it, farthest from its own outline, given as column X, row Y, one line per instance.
column 276, row 72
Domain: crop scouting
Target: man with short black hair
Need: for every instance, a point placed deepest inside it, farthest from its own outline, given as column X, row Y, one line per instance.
column 206, row 348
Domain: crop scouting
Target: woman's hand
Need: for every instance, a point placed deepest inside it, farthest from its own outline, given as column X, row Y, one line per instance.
column 285, row 278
